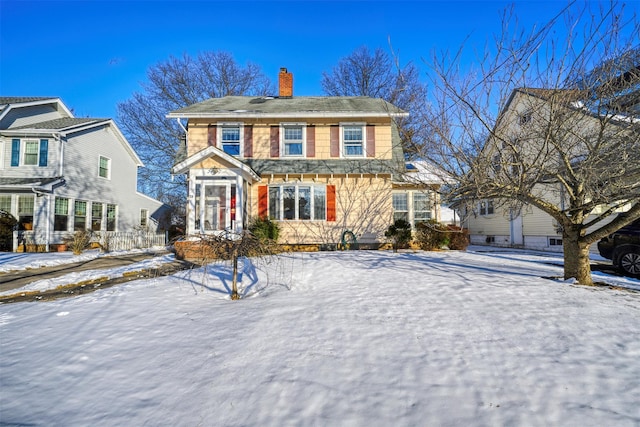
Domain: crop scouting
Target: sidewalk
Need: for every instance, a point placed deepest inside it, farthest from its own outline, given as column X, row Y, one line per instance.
column 18, row 279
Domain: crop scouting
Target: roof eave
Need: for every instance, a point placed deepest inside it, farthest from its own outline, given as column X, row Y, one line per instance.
column 300, row 114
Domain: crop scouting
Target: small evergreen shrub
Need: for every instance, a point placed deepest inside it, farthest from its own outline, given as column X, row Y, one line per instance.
column 399, row 233
column 265, row 230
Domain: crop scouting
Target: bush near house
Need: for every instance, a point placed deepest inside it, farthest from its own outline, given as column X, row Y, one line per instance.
column 7, row 225
column 432, row 235
column 399, row 233
column 265, row 230
column 78, row 241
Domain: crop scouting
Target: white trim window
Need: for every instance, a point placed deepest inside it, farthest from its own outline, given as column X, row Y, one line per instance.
column 144, row 217
column 293, row 137
column 96, row 216
column 485, row 207
column 104, row 167
column 79, row 215
column 61, row 214
column 112, row 214
column 35, row 152
column 230, row 137
column 352, row 139
column 412, row 206
column 400, row 206
column 300, row 202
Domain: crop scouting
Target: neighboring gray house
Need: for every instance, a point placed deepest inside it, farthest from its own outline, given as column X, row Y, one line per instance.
column 59, row 174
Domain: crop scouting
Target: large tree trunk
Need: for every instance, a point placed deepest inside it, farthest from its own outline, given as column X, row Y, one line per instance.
column 576, row 258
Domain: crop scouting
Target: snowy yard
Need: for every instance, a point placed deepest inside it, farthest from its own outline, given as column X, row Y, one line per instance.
column 368, row 338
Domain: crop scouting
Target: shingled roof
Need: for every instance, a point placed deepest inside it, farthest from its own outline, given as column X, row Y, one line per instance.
column 60, row 124
column 303, row 106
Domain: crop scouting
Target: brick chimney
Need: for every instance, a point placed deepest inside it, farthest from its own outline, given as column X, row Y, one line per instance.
column 285, row 80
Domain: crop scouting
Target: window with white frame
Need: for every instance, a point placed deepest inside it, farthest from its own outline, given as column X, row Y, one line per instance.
column 412, row 206
column 111, row 217
column 485, row 207
column 96, row 216
column 26, row 205
column 421, row 207
column 61, row 214
column 104, row 167
column 293, row 137
column 400, row 206
column 79, row 215
column 298, row 202
column 353, row 138
column 144, row 217
column 230, row 139
column 34, row 152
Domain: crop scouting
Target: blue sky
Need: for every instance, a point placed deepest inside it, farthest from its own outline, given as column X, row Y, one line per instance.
column 95, row 54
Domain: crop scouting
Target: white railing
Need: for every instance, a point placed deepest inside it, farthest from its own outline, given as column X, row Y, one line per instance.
column 107, row 240
column 124, row 241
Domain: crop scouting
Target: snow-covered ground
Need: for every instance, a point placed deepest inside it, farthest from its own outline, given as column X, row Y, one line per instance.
column 364, row 338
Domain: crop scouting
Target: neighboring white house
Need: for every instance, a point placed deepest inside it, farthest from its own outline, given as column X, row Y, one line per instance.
column 59, row 173
column 496, row 223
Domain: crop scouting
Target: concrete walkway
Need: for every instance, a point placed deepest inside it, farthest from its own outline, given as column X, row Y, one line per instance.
column 18, row 279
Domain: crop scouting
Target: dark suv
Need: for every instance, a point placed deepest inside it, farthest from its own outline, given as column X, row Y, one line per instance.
column 623, row 248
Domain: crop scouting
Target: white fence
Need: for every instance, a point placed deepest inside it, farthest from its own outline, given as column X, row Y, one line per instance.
column 107, row 240
column 124, row 241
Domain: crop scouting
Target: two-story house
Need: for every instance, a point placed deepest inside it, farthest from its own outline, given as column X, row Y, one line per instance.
column 536, row 130
column 318, row 165
column 59, row 173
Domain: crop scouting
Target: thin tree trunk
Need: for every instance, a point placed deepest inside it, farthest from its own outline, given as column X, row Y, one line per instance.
column 234, row 291
column 577, row 263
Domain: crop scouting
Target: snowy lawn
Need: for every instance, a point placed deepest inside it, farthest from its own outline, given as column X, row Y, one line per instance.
column 368, row 338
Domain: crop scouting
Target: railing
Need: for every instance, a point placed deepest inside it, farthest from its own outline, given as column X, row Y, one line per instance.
column 124, row 241
column 107, row 240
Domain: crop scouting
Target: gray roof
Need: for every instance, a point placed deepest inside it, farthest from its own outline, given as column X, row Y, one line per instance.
column 22, row 182
column 307, row 106
column 59, row 124
column 6, row 100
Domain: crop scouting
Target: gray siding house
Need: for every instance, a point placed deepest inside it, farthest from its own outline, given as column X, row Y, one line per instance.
column 60, row 174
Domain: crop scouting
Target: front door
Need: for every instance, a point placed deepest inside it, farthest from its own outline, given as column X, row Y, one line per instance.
column 517, row 238
column 215, row 207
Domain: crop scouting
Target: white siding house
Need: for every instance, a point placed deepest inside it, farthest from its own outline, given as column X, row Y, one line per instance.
column 60, row 174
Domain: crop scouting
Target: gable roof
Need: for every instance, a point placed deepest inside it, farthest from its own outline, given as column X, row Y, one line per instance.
column 305, row 106
column 213, row 152
column 7, row 103
column 65, row 123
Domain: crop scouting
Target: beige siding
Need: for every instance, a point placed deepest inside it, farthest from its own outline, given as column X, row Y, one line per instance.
column 363, row 206
column 198, row 135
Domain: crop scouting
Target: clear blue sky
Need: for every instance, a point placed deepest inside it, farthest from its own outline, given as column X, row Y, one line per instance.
column 95, row 54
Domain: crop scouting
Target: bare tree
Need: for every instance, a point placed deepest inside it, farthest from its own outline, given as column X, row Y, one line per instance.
column 379, row 75
column 173, row 84
column 546, row 120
